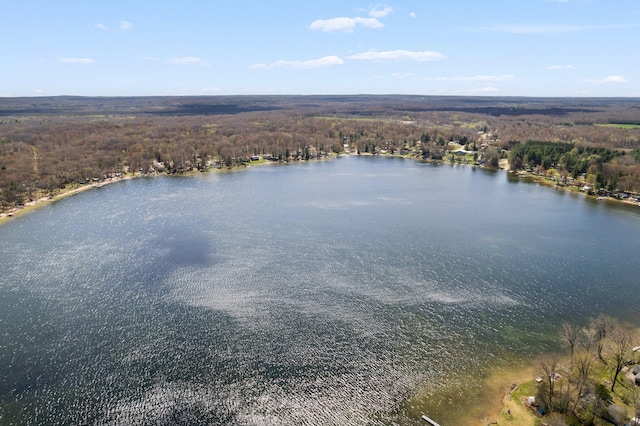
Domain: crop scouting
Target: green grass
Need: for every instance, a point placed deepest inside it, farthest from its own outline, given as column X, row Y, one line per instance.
column 619, row 126
column 525, row 389
column 340, row 118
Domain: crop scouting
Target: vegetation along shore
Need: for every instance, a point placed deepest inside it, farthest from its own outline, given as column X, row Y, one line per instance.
column 62, row 145
column 596, row 381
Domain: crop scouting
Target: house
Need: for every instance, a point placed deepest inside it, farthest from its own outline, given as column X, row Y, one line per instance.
column 588, row 189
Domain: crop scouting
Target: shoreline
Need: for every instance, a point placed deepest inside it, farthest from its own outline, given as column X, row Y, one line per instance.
column 64, row 193
column 542, row 180
column 486, row 402
column 43, row 201
column 500, row 384
column 512, row 409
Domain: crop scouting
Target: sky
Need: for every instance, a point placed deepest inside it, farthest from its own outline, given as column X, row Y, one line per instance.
column 290, row 47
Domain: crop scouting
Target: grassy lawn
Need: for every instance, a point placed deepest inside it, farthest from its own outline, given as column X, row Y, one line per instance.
column 619, row 126
column 514, row 412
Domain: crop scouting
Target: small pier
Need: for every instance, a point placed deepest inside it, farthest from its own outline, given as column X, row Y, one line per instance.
column 429, row 421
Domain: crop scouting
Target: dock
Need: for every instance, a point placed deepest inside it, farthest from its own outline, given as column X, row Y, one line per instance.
column 429, row 421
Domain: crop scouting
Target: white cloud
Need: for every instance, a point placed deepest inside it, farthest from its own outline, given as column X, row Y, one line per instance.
column 412, row 15
column 478, row 78
column 488, row 89
column 615, row 79
column 379, row 12
column 401, row 75
column 326, row 61
column 83, row 61
column 186, row 60
column 323, row 62
column 402, row 55
column 612, row 79
column 369, row 22
column 124, row 25
column 561, row 67
column 344, row 24
column 334, row 25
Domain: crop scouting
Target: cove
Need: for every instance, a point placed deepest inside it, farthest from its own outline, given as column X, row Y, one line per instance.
column 341, row 292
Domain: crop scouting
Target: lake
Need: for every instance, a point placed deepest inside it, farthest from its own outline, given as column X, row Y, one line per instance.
column 357, row 291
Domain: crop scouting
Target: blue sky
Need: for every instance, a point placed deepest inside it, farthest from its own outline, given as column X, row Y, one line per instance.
column 229, row 47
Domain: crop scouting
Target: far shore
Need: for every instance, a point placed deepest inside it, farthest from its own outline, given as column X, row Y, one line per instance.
column 78, row 188
column 67, row 192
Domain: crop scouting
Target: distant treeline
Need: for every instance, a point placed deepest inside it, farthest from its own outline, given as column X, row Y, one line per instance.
column 47, row 144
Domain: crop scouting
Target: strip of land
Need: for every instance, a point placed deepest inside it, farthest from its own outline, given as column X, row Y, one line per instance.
column 48, row 145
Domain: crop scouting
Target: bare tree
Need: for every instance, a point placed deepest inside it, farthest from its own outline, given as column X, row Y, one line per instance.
column 581, row 377
column 587, row 339
column 619, row 348
column 549, row 366
column 601, row 326
column 570, row 333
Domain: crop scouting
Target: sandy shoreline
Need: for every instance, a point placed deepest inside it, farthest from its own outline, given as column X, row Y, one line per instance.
column 64, row 193
column 67, row 192
column 497, row 401
column 486, row 402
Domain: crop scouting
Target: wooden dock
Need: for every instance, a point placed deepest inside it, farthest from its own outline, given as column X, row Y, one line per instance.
column 429, row 421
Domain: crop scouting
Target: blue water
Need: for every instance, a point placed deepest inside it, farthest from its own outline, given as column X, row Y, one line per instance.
column 317, row 293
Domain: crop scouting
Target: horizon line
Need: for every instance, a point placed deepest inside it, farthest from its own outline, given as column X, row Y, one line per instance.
column 324, row 95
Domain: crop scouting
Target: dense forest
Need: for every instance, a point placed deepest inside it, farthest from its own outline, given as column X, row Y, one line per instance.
column 52, row 144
